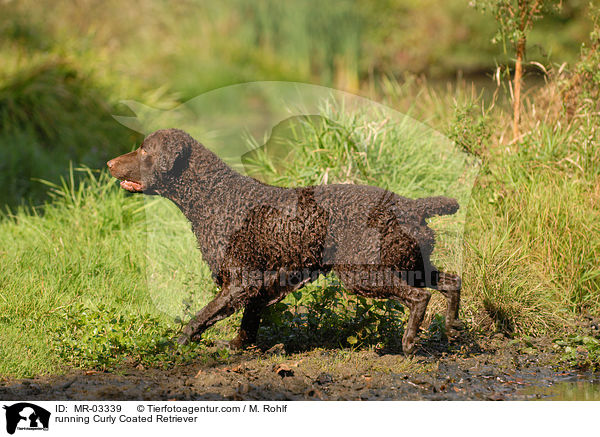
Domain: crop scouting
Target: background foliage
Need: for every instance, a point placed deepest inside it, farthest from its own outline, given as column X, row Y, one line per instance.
column 73, row 287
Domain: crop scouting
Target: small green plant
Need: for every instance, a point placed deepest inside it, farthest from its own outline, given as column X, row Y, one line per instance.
column 580, row 351
column 327, row 316
column 437, row 328
column 101, row 338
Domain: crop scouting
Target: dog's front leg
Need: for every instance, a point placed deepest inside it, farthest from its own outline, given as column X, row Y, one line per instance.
column 228, row 301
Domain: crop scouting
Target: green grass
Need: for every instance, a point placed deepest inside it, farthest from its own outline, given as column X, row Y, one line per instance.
column 78, row 260
column 99, row 278
column 535, row 233
column 97, row 257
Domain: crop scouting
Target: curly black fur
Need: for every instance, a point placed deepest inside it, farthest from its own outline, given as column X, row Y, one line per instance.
column 262, row 242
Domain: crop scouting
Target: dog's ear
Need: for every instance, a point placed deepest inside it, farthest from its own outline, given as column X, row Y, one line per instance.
column 175, row 159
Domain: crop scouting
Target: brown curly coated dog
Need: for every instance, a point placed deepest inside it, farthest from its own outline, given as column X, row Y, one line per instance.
column 263, row 242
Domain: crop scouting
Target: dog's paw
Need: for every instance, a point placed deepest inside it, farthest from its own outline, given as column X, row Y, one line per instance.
column 452, row 334
column 453, row 328
column 409, row 349
column 408, row 346
column 236, row 343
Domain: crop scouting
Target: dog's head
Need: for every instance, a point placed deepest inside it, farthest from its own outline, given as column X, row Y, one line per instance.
column 163, row 156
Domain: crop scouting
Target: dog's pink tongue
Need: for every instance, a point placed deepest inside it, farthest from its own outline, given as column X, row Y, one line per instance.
column 131, row 186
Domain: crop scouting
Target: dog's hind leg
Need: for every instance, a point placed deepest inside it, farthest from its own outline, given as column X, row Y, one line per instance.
column 449, row 285
column 228, row 301
column 416, row 299
column 250, row 323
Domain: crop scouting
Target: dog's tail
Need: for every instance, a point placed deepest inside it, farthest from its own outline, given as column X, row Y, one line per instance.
column 438, row 205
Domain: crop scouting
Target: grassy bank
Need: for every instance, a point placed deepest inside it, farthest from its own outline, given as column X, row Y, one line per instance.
column 81, row 284
column 97, row 277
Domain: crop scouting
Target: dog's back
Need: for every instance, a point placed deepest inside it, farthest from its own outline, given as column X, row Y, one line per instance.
column 321, row 227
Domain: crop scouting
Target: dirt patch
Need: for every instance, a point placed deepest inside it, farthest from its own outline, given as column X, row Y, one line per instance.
column 480, row 369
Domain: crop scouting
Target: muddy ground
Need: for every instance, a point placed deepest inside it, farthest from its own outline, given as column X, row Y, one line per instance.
column 476, row 369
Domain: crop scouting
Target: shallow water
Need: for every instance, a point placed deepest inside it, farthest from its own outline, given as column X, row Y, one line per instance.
column 579, row 388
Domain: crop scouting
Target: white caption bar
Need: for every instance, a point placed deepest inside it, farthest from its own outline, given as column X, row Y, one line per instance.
column 102, row 418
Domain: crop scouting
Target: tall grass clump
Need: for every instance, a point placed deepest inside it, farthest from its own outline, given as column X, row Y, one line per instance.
column 533, row 235
column 369, row 146
column 534, row 241
column 51, row 112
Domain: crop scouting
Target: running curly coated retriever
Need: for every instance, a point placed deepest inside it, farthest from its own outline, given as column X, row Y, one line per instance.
column 263, row 242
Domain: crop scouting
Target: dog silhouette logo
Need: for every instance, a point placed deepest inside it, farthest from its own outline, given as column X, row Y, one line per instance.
column 26, row 416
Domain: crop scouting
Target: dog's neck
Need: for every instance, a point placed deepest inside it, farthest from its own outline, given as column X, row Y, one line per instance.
column 208, row 186
column 216, row 200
